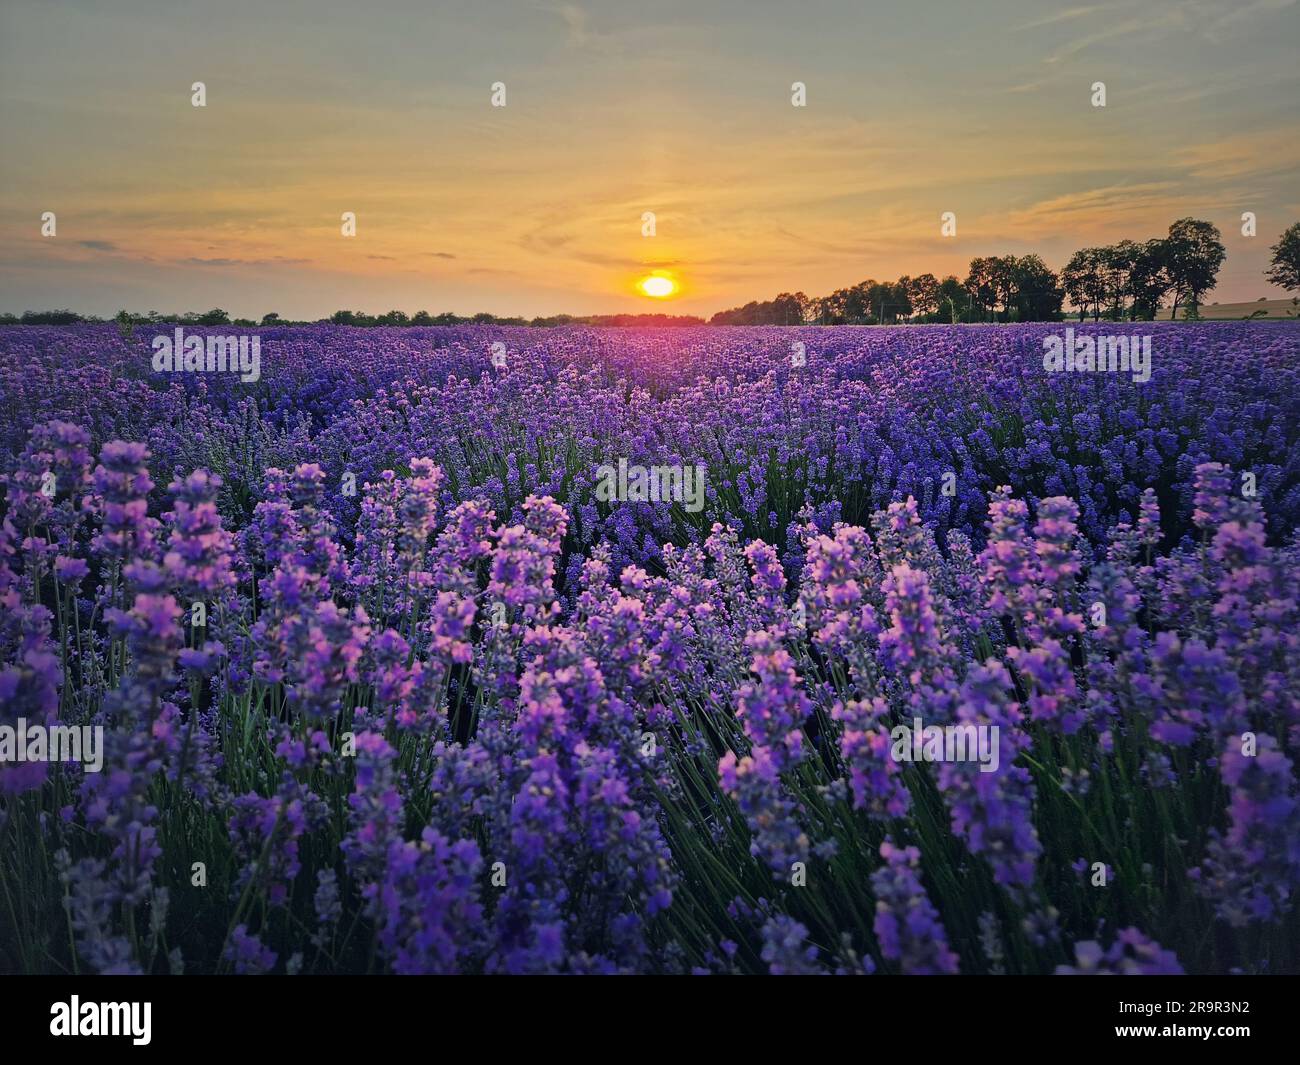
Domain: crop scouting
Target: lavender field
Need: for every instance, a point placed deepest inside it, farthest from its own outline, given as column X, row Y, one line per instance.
column 389, row 680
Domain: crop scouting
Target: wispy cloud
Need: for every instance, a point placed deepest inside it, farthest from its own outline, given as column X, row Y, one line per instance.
column 1094, row 210
column 278, row 260
column 1259, row 153
column 1068, row 15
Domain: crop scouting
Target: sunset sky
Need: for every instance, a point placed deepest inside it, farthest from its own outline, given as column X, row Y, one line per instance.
column 616, row 108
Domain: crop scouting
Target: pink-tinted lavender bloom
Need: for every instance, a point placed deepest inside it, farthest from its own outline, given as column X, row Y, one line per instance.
column 773, row 708
column 1049, row 674
column 1148, row 525
column 875, row 777
column 754, row 782
column 900, row 538
column 839, row 573
column 451, row 619
column 1008, row 560
column 417, row 510
column 1058, row 566
column 49, row 480
column 122, row 486
column 768, row 580
column 198, row 557
column 913, row 647
column 153, row 635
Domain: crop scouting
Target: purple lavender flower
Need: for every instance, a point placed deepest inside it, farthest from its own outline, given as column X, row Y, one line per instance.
column 907, row 925
column 993, row 811
column 1253, row 870
column 1132, row 954
column 786, row 949
column 247, row 954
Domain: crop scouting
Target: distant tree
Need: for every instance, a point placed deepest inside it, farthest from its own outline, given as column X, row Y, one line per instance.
column 923, row 294
column 392, row 318
column 63, row 317
column 1115, row 264
column 829, row 310
column 904, row 286
column 344, row 318
column 271, row 319
column 898, row 302
column 1084, row 282
column 1148, row 280
column 786, row 309
column 846, row 305
column 982, row 287
column 857, row 302
column 876, row 298
column 1073, row 281
column 1004, row 280
column 1193, row 255
column 1284, row 270
column 421, row 318
column 216, row 316
column 1037, row 291
column 952, row 299
column 888, row 301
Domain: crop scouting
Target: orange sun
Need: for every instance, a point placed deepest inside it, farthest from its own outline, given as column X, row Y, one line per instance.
column 657, row 286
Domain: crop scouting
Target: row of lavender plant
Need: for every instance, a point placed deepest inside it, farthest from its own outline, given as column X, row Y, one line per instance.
column 847, row 420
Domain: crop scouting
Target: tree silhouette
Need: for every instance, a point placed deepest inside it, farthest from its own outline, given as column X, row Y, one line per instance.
column 1193, row 255
column 1284, row 270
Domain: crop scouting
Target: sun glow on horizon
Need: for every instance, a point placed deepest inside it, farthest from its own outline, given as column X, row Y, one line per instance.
column 658, row 287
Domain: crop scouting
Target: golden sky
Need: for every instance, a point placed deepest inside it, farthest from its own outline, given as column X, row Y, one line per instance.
column 614, row 109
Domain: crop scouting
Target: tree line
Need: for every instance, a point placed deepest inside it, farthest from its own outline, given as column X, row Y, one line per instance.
column 1124, row 281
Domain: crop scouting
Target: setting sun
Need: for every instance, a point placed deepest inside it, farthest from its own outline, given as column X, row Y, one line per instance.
column 658, row 287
